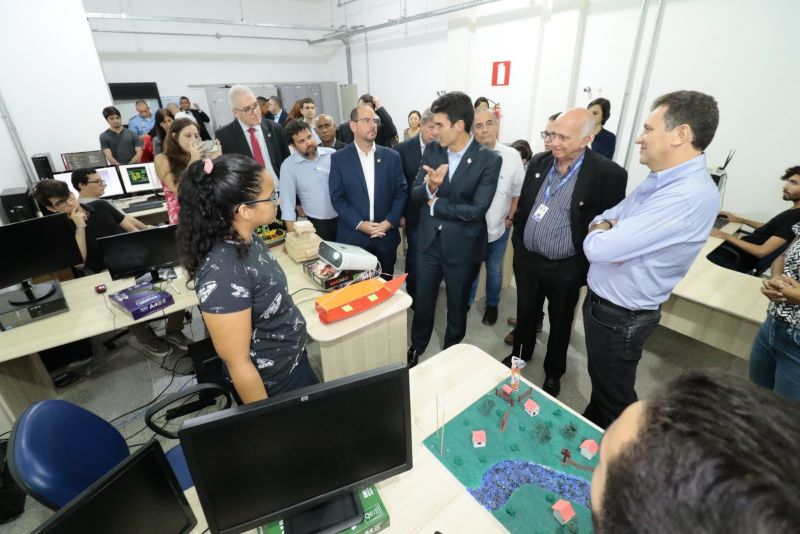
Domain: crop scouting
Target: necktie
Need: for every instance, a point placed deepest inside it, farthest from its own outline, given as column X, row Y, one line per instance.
column 257, row 155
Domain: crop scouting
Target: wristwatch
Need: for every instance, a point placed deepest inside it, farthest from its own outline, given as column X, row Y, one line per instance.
column 601, row 221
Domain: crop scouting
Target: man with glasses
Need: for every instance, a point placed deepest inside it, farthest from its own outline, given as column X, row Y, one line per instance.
column 91, row 222
column 368, row 191
column 252, row 135
column 91, row 186
column 564, row 190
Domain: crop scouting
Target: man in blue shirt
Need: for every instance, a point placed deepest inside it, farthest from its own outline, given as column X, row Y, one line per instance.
column 641, row 248
column 304, row 175
column 144, row 121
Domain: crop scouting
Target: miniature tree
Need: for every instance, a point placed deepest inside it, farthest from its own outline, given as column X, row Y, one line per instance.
column 542, row 432
column 569, row 431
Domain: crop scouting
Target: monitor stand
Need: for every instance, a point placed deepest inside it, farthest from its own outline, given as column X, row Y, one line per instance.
column 157, row 276
column 30, row 293
column 340, row 512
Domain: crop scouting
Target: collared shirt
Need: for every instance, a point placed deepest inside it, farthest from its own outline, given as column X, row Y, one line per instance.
column 307, row 179
column 509, row 185
column 661, row 227
column 551, row 236
column 421, row 145
column 140, row 126
column 262, row 144
column 453, row 160
column 368, row 166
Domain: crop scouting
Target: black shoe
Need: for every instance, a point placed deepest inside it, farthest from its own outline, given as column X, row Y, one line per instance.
column 412, row 358
column 507, row 360
column 552, row 386
column 490, row 317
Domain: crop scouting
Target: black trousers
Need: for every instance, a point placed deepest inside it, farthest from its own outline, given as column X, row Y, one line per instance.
column 432, row 267
column 387, row 258
column 411, row 260
column 326, row 228
column 614, row 340
column 559, row 281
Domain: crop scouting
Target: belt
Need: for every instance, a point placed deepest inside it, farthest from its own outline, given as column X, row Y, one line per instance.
column 594, row 297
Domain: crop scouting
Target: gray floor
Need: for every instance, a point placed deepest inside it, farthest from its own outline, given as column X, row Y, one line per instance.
column 125, row 378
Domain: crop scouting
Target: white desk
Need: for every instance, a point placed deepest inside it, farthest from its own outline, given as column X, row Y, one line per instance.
column 371, row 339
column 717, row 306
column 428, row 498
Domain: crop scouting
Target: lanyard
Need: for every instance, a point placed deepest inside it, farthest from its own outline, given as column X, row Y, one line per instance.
column 575, row 167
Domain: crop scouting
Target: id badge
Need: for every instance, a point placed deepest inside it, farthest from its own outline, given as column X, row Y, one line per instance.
column 540, row 212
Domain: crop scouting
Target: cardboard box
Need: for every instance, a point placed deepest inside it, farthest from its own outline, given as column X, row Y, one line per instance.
column 141, row 300
column 325, row 276
column 376, row 518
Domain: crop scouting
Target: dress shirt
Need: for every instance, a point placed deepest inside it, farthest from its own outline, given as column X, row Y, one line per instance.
column 661, row 227
column 551, row 236
column 140, row 126
column 368, row 166
column 421, row 145
column 307, row 179
column 262, row 143
column 453, row 159
column 509, row 185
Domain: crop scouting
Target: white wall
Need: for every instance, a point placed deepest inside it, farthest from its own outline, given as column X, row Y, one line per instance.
column 51, row 80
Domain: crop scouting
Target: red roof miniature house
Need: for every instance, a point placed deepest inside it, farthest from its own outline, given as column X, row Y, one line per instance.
column 562, row 511
column 589, row 448
column 507, row 389
column 478, row 438
column 531, row 407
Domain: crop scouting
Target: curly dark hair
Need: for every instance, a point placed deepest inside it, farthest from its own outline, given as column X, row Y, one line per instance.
column 178, row 158
column 208, row 202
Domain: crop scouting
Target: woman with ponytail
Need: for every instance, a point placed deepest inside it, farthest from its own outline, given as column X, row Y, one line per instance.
column 256, row 329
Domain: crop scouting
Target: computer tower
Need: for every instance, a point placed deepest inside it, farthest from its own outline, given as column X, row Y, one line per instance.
column 43, row 165
column 18, row 204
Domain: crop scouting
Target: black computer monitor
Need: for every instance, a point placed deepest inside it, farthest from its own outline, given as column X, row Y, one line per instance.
column 141, row 494
column 35, row 247
column 90, row 159
column 301, row 455
column 136, row 253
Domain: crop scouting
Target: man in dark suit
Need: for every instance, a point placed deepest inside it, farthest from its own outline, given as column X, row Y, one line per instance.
column 387, row 131
column 326, row 130
column 251, row 135
column 454, row 187
column 564, row 189
column 411, row 155
column 368, row 191
column 200, row 117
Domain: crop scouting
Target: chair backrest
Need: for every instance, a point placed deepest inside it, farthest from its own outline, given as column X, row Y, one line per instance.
column 766, row 262
column 57, row 449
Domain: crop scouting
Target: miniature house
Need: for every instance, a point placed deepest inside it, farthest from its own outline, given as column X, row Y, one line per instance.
column 478, row 438
column 531, row 407
column 562, row 511
column 589, row 448
column 507, row 389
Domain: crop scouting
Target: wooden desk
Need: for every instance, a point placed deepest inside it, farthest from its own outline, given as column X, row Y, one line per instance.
column 372, row 339
column 717, row 306
column 428, row 498
column 153, row 216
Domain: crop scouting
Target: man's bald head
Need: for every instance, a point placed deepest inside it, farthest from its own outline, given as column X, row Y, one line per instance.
column 486, row 127
column 572, row 133
column 326, row 129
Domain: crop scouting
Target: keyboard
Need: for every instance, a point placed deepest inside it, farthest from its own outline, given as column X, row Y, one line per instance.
column 143, row 205
column 721, row 222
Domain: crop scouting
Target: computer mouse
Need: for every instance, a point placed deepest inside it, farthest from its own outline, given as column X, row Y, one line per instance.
column 100, row 288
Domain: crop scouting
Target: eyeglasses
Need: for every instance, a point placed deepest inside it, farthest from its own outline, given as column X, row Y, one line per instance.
column 549, row 136
column 63, row 202
column 249, row 109
column 96, row 182
column 367, row 120
column 275, row 199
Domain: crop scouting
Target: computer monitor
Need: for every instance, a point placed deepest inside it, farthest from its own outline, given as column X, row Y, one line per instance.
column 139, row 177
column 141, row 494
column 136, row 253
column 84, row 160
column 109, row 176
column 301, row 455
column 36, row 247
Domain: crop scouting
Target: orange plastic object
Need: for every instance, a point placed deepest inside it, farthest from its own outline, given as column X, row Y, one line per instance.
column 356, row 298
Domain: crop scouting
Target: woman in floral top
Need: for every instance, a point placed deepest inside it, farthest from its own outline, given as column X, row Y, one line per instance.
column 775, row 358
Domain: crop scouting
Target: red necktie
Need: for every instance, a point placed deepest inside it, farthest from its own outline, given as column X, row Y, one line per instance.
column 257, row 155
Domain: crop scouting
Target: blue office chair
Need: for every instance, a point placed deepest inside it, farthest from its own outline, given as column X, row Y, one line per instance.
column 58, row 449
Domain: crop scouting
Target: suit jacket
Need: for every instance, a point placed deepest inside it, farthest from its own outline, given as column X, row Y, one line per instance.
column 462, row 202
column 411, row 156
column 600, row 185
column 337, row 145
column 281, row 118
column 233, row 141
column 201, row 118
column 350, row 198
